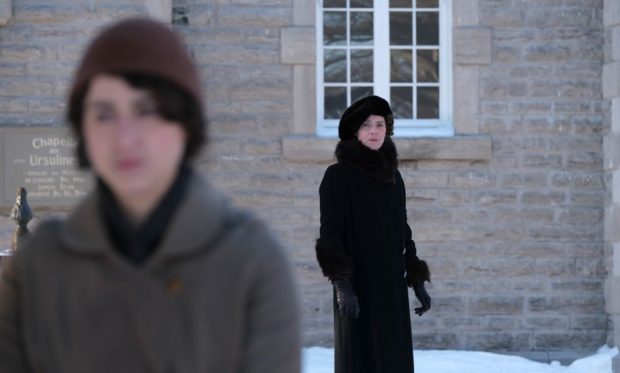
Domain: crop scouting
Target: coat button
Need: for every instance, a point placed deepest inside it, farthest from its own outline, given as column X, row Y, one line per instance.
column 404, row 250
column 174, row 285
column 405, row 274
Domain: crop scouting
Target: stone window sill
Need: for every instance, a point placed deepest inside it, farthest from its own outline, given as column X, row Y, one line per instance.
column 310, row 148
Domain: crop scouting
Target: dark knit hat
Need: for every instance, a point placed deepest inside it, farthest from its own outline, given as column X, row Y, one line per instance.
column 356, row 114
column 143, row 46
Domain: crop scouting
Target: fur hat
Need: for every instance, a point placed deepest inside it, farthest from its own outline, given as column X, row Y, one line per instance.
column 143, row 46
column 357, row 113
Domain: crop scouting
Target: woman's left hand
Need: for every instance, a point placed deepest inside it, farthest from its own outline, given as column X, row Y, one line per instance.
column 423, row 297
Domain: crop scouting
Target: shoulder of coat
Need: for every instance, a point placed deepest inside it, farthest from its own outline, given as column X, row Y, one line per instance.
column 335, row 174
column 339, row 169
column 333, row 167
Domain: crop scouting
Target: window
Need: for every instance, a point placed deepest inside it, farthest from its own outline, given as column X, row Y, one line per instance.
column 396, row 49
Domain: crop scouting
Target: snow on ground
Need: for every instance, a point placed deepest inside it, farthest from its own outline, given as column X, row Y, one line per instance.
column 321, row 360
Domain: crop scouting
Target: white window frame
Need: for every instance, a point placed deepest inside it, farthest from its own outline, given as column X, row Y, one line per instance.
column 441, row 127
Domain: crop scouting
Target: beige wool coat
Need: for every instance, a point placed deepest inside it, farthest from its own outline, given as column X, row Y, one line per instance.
column 216, row 296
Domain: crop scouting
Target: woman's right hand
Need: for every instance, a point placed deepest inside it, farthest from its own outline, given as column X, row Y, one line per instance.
column 346, row 298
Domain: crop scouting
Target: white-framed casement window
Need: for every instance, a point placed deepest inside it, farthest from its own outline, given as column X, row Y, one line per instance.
column 400, row 50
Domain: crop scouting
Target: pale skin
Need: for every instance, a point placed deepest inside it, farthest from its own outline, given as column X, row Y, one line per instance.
column 372, row 132
column 130, row 147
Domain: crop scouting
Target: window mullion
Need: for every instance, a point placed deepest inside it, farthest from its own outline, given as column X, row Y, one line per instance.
column 320, row 105
column 414, row 59
column 445, row 62
column 348, row 51
column 382, row 49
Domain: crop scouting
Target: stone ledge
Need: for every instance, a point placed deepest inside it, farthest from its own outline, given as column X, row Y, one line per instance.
column 309, row 148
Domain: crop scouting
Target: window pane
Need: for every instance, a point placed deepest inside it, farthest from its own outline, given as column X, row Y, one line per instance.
column 334, row 28
column 428, row 66
column 427, row 4
column 334, row 3
column 335, row 102
column 427, row 28
column 360, row 92
column 361, row 28
column 361, row 65
column 361, row 3
column 401, row 68
column 401, row 100
column 335, row 65
column 428, row 102
column 400, row 28
column 400, row 3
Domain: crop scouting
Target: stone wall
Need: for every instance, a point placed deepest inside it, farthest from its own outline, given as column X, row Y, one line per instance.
column 509, row 213
column 611, row 146
column 538, row 202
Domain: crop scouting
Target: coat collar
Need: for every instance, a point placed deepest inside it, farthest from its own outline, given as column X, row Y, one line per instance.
column 197, row 220
column 380, row 164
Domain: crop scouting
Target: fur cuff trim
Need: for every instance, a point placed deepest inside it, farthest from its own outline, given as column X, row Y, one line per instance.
column 334, row 263
column 417, row 272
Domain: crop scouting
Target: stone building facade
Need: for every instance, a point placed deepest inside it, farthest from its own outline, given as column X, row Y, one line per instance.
column 517, row 213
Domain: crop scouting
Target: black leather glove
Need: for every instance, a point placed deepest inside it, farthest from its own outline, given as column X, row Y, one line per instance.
column 346, row 298
column 423, row 297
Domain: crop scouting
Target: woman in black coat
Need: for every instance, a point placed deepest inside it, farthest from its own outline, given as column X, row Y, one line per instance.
column 365, row 246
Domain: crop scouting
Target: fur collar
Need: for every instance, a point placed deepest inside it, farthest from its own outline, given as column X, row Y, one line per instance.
column 379, row 164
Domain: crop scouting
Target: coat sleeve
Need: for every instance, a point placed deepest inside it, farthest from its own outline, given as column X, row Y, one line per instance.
column 12, row 350
column 272, row 332
column 417, row 269
column 330, row 248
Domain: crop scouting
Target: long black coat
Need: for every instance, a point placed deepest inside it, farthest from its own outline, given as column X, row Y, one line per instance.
column 365, row 236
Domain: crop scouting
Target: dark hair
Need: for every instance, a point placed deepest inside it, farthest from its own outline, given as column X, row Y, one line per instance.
column 172, row 103
column 389, row 124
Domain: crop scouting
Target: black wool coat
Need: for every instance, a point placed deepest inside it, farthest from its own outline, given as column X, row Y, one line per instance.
column 365, row 236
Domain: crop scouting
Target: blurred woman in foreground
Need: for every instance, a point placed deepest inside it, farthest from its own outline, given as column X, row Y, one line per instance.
column 154, row 271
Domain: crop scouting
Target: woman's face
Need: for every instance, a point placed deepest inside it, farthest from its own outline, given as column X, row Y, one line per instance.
column 132, row 149
column 372, row 132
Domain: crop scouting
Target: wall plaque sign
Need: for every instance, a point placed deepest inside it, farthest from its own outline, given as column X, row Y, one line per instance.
column 43, row 161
